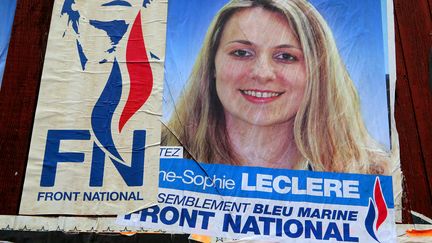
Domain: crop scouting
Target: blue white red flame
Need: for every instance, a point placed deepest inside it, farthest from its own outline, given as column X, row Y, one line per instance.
column 141, row 84
column 377, row 211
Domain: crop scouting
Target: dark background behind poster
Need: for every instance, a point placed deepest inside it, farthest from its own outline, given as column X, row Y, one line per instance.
column 413, row 106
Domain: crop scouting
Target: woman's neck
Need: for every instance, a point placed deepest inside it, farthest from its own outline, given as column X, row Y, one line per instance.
column 267, row 146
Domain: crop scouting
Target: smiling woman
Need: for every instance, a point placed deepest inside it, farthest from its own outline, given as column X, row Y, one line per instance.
column 269, row 89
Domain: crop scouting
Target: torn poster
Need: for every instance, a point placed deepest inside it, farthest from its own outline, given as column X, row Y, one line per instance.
column 95, row 142
column 285, row 105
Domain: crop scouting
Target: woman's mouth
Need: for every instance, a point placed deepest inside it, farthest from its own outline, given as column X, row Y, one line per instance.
column 260, row 96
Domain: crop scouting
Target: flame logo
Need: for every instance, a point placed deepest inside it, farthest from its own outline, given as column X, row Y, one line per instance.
column 141, row 84
column 377, row 211
column 141, row 77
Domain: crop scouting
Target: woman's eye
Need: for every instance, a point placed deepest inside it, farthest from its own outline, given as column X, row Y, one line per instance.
column 241, row 53
column 286, row 57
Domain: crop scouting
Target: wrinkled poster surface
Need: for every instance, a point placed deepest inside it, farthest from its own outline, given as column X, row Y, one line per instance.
column 285, row 104
column 273, row 118
column 95, row 141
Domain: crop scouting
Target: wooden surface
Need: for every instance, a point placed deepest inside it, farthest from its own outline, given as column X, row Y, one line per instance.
column 413, row 108
column 18, row 96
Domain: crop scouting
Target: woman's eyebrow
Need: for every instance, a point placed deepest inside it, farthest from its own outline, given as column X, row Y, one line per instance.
column 245, row 42
column 249, row 43
column 287, row 46
column 117, row 3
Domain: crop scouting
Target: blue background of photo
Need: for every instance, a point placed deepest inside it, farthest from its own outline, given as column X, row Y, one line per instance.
column 7, row 13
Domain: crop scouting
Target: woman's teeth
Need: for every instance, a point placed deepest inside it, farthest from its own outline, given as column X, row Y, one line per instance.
column 260, row 94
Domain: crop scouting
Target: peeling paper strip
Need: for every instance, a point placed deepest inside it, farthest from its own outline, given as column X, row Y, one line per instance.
column 68, row 224
column 422, row 217
column 396, row 172
column 102, row 225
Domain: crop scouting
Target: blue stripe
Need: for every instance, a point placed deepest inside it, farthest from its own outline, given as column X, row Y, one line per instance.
column 370, row 218
column 104, row 108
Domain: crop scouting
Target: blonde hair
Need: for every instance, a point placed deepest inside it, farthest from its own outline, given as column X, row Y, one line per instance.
column 329, row 131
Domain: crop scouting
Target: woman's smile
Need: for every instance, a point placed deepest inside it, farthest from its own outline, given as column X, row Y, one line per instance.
column 260, row 96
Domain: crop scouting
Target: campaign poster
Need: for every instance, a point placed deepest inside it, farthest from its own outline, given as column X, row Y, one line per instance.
column 282, row 109
column 95, row 141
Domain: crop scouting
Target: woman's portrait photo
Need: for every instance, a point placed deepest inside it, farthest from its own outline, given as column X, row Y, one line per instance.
column 290, row 84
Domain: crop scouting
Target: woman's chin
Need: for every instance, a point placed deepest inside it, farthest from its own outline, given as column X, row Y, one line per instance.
column 265, row 121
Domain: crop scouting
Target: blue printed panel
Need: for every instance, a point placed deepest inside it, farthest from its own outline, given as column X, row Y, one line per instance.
column 276, row 184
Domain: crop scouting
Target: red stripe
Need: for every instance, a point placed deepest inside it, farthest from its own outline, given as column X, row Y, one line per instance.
column 380, row 203
column 140, row 73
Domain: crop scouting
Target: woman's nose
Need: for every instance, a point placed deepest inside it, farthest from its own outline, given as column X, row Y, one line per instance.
column 263, row 70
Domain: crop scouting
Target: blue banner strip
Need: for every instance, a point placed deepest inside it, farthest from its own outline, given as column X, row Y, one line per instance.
column 275, row 184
